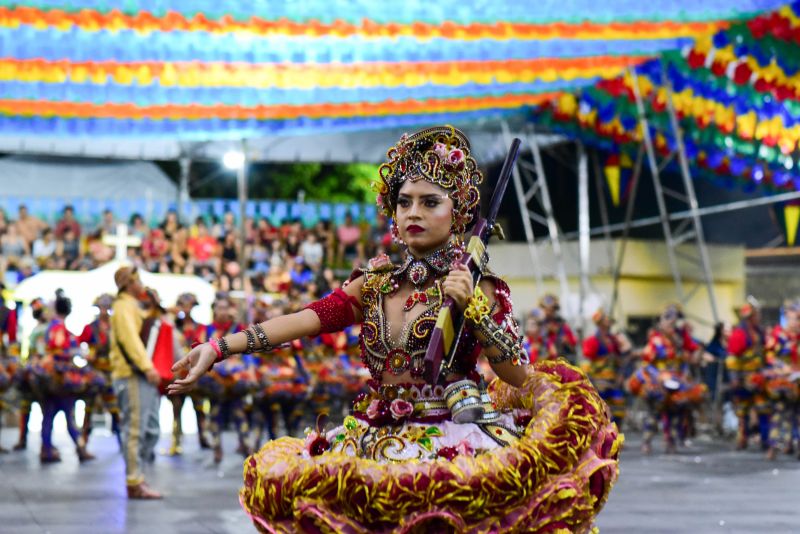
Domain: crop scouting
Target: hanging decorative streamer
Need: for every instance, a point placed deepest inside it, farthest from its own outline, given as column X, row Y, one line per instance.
column 736, row 93
column 201, row 69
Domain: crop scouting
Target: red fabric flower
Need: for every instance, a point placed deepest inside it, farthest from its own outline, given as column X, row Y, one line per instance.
column 401, row 409
column 447, row 452
column 316, row 444
column 455, row 157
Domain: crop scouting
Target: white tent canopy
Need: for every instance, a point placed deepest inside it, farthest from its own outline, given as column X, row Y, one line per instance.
column 342, row 147
column 83, row 287
column 28, row 176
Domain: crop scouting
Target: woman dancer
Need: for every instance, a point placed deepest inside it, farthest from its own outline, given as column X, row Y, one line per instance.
column 534, row 453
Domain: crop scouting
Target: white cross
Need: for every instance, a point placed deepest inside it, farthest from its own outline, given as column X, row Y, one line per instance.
column 122, row 241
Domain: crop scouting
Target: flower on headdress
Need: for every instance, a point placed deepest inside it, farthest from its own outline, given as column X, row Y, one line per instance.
column 440, row 150
column 456, row 156
column 401, row 409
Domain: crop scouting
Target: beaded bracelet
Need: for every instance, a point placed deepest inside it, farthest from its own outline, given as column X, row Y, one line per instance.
column 266, row 345
column 507, row 343
column 225, row 351
column 251, row 342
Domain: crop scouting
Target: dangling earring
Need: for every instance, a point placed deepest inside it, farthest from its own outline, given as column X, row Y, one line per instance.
column 396, row 235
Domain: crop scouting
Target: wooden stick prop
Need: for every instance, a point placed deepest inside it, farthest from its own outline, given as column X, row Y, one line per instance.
column 444, row 340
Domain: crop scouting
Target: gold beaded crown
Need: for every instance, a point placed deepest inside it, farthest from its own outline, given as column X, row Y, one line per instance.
column 439, row 155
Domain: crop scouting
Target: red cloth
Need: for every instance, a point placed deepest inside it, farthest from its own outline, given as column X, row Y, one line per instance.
column 591, row 346
column 202, row 248
column 194, row 333
column 88, row 334
column 164, row 351
column 11, row 326
column 63, row 225
column 738, row 341
column 58, row 338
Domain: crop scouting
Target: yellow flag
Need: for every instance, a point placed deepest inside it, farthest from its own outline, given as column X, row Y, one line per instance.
column 612, row 179
column 791, row 216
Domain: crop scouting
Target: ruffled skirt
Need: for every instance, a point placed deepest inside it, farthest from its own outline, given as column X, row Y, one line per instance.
column 554, row 472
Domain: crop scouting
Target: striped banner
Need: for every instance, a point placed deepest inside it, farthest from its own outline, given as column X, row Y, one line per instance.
column 203, row 70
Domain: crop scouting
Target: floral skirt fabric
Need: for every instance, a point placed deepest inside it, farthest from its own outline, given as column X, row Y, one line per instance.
column 547, row 463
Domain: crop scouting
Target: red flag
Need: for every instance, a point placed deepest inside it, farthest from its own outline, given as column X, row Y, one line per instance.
column 164, row 352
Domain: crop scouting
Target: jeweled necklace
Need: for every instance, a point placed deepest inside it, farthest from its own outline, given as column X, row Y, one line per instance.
column 418, row 271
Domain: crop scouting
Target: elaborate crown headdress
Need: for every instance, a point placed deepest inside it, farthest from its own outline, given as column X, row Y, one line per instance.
column 441, row 156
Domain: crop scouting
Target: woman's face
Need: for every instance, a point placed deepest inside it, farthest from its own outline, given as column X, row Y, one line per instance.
column 424, row 215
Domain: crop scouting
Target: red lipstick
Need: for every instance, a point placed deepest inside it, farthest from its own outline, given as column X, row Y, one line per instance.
column 414, row 229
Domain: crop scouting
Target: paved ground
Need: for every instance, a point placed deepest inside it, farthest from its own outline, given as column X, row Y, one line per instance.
column 707, row 488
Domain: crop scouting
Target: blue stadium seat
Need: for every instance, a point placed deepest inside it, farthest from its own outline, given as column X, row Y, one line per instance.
column 265, row 210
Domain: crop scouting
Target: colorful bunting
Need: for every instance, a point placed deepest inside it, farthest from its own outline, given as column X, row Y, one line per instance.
column 736, row 93
column 201, row 69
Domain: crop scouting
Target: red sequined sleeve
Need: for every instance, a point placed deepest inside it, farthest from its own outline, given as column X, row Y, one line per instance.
column 335, row 311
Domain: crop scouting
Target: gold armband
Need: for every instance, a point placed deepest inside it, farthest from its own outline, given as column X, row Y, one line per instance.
column 477, row 306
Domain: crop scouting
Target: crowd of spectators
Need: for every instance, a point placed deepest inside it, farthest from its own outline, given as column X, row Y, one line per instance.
column 289, row 258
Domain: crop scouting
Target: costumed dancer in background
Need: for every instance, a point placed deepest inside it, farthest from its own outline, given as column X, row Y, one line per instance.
column 161, row 341
column 782, row 380
column 285, row 385
column 8, row 345
column 9, row 364
column 6, row 374
column 606, row 353
column 192, row 333
column 330, row 375
column 417, row 457
column 8, row 323
column 136, row 383
column 62, row 382
column 25, row 379
column 234, row 382
column 97, row 336
column 533, row 342
column 746, row 363
column 664, row 382
column 560, row 341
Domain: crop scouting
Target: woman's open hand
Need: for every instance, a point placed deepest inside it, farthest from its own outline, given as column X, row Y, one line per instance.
column 197, row 362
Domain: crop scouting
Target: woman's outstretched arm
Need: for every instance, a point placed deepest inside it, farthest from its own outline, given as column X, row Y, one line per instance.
column 279, row 330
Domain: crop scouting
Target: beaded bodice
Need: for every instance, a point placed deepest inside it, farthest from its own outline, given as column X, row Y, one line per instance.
column 383, row 347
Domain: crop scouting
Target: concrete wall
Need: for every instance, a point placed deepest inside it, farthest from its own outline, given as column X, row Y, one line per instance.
column 646, row 283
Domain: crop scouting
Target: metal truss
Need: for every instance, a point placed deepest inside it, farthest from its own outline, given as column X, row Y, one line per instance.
column 533, row 196
column 694, row 270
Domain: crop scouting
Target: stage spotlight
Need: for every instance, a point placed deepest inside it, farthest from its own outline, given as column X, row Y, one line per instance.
column 233, row 159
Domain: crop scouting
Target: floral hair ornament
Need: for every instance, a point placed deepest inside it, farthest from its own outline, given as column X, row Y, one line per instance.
column 439, row 155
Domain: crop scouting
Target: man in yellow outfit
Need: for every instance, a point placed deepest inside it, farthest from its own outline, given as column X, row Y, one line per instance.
column 135, row 383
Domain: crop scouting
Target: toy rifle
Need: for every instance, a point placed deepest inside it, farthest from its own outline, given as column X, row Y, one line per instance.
column 444, row 340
